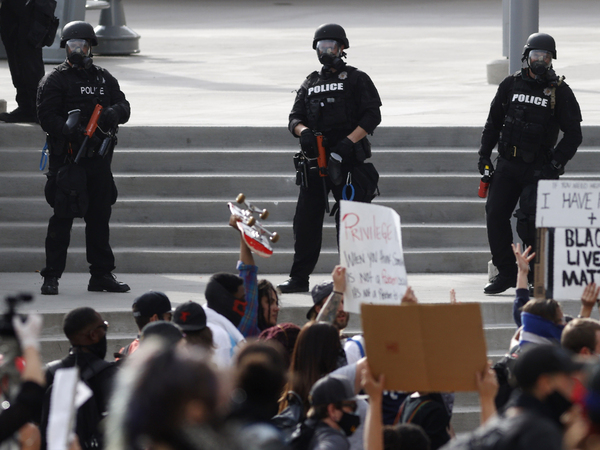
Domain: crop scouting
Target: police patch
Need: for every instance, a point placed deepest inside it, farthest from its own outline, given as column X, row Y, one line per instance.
column 343, row 75
column 547, row 91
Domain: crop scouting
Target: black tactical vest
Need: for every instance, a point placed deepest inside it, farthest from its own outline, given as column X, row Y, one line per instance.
column 527, row 130
column 329, row 101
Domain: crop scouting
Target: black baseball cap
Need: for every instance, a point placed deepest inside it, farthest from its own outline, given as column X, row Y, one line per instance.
column 543, row 359
column 150, row 303
column 319, row 293
column 331, row 388
column 190, row 316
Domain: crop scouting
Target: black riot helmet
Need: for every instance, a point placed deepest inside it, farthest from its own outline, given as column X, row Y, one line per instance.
column 78, row 30
column 539, row 41
column 539, row 50
column 331, row 31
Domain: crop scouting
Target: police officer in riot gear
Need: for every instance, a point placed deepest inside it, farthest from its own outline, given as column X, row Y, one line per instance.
column 526, row 115
column 342, row 104
column 78, row 84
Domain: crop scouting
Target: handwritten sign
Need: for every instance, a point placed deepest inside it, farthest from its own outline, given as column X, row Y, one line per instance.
column 576, row 261
column 570, row 203
column 371, row 251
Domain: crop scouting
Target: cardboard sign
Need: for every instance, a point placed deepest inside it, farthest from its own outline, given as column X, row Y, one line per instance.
column 571, row 203
column 371, row 251
column 576, row 261
column 428, row 348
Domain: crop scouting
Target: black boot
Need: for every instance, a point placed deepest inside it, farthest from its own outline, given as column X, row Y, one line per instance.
column 107, row 282
column 293, row 285
column 500, row 283
column 50, row 286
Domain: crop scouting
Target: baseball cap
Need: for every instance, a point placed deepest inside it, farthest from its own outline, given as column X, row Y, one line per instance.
column 331, row 389
column 190, row 316
column 319, row 293
column 543, row 359
column 150, row 303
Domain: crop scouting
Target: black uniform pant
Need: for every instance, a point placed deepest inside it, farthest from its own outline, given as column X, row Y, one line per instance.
column 308, row 222
column 513, row 182
column 102, row 195
column 24, row 59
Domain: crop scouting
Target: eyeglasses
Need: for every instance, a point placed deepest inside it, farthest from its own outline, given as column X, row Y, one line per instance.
column 103, row 325
column 351, row 405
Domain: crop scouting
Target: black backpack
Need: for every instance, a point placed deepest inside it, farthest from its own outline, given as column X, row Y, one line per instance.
column 288, row 419
column 302, row 435
column 89, row 415
column 504, row 373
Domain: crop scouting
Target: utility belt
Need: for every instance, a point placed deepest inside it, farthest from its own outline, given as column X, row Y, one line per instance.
column 527, row 155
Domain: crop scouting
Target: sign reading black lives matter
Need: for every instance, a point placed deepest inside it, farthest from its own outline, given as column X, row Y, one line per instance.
column 371, row 251
column 569, row 210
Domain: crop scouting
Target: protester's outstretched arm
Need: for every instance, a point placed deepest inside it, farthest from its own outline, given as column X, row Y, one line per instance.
column 28, row 333
column 328, row 312
column 487, row 385
column 522, row 294
column 523, row 260
column 249, row 273
column 589, row 299
column 373, row 435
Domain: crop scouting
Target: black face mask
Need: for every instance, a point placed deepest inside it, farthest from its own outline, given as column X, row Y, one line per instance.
column 538, row 68
column 99, row 348
column 557, row 405
column 349, row 423
column 331, row 61
column 80, row 61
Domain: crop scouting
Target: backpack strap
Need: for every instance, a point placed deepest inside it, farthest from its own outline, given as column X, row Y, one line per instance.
column 553, row 94
column 361, row 349
column 94, row 368
column 414, row 413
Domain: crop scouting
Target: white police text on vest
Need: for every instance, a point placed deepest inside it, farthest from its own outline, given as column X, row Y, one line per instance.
column 523, row 98
column 91, row 90
column 326, row 88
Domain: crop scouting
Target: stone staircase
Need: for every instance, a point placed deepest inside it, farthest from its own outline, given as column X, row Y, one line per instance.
column 171, row 216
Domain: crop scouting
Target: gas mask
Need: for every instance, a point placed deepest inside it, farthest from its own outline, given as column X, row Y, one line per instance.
column 330, row 54
column 539, row 61
column 79, row 53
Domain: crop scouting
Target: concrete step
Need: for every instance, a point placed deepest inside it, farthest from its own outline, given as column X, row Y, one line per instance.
column 465, row 210
column 259, row 185
column 210, row 260
column 279, row 160
column 220, row 234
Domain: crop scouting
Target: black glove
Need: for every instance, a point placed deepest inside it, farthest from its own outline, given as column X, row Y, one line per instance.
column 345, row 148
column 308, row 143
column 74, row 134
column 108, row 119
column 485, row 161
column 549, row 172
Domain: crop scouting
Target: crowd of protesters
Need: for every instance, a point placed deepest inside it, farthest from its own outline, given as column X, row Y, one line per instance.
column 226, row 374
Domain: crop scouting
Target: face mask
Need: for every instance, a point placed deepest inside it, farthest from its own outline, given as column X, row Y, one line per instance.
column 349, row 423
column 557, row 405
column 99, row 348
column 79, row 54
column 539, row 61
column 80, row 61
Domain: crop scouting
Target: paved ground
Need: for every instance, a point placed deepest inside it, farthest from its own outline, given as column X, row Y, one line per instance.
column 183, row 287
column 237, row 62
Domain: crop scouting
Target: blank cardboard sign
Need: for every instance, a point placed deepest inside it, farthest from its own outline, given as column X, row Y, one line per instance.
column 428, row 348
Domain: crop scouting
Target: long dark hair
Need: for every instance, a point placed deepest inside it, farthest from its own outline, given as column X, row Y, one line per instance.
column 265, row 287
column 315, row 355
